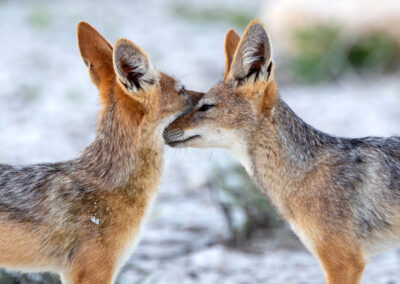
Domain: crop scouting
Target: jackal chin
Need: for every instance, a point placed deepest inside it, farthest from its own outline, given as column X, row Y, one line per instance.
column 184, row 142
column 178, row 138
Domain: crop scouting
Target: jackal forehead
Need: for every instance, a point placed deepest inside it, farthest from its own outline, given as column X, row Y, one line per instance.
column 168, row 83
column 220, row 90
column 178, row 86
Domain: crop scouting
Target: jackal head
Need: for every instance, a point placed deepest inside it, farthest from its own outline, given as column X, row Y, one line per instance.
column 126, row 77
column 230, row 110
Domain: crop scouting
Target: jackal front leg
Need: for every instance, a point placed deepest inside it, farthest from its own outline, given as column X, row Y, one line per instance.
column 93, row 266
column 342, row 264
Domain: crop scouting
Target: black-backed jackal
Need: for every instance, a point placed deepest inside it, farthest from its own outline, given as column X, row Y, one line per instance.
column 82, row 218
column 340, row 195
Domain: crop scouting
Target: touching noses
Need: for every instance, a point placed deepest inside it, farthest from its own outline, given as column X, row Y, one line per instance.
column 194, row 97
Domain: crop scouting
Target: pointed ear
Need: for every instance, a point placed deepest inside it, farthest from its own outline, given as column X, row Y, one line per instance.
column 96, row 53
column 252, row 59
column 231, row 42
column 134, row 70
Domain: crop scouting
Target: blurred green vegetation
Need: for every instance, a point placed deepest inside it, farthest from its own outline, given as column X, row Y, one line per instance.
column 377, row 50
column 317, row 53
column 39, row 17
column 322, row 52
column 237, row 196
column 236, row 17
column 18, row 278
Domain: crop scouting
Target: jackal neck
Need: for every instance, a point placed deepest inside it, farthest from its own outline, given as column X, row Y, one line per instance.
column 283, row 150
column 123, row 146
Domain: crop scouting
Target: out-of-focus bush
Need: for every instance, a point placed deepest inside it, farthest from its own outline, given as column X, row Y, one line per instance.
column 238, row 17
column 317, row 40
column 245, row 208
column 322, row 53
column 7, row 277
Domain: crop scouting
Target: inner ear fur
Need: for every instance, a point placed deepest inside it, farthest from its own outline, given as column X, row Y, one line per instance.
column 96, row 53
column 252, row 58
column 133, row 67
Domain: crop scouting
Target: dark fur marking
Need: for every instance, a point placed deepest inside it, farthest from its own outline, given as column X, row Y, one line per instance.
column 351, row 162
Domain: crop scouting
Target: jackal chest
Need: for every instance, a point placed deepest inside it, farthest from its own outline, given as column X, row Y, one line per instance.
column 121, row 210
column 275, row 188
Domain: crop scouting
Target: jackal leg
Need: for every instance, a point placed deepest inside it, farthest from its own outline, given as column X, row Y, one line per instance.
column 93, row 266
column 342, row 264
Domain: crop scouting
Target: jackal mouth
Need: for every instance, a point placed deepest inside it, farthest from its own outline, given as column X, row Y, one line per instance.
column 177, row 143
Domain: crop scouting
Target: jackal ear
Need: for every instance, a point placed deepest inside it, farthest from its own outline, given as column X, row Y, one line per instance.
column 231, row 42
column 96, row 53
column 134, row 70
column 252, row 59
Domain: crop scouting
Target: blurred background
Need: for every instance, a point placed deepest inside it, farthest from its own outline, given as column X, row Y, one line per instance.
column 337, row 65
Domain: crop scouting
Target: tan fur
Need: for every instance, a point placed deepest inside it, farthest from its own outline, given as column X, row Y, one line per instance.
column 88, row 212
column 340, row 195
column 231, row 42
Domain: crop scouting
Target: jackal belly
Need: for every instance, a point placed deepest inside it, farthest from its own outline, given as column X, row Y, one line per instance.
column 24, row 249
column 382, row 240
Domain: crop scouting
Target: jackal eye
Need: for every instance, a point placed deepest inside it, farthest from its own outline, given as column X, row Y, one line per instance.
column 206, row 107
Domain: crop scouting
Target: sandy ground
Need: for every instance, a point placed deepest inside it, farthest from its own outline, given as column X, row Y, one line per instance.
column 48, row 113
